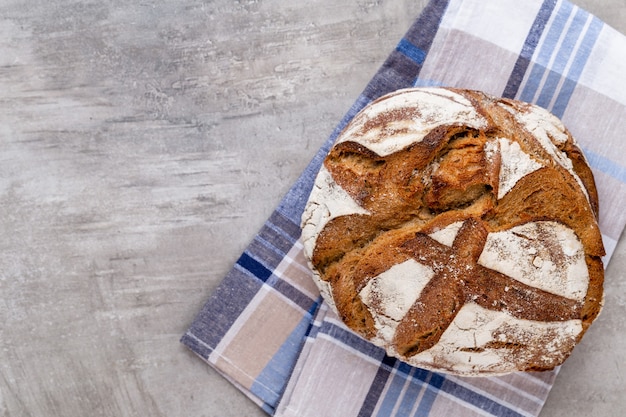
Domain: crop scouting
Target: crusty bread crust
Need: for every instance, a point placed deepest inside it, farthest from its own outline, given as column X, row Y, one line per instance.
column 442, row 215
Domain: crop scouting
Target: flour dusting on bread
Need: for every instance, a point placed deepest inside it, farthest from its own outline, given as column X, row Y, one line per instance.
column 459, row 232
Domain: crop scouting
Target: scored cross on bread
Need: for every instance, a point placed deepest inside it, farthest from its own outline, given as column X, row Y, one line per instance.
column 438, row 201
column 459, row 279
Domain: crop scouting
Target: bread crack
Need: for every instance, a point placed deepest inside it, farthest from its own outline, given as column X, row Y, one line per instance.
column 490, row 176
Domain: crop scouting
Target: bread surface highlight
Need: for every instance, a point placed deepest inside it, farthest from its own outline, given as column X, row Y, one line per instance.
column 459, row 232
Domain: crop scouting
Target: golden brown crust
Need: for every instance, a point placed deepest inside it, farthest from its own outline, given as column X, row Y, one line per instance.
column 460, row 279
column 454, row 175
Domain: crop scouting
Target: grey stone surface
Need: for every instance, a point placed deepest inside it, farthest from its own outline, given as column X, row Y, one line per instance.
column 142, row 145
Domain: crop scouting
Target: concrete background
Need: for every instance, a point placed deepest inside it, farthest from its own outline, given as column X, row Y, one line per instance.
column 142, row 145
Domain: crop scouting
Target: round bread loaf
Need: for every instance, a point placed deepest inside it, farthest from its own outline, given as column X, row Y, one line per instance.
column 459, row 232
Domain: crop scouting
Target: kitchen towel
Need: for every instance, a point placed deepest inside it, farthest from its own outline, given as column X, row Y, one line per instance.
column 266, row 328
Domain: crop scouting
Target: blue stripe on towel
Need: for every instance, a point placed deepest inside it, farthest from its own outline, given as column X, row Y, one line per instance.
column 411, row 51
column 530, row 44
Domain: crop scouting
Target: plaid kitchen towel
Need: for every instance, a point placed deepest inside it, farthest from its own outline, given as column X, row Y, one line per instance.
column 266, row 329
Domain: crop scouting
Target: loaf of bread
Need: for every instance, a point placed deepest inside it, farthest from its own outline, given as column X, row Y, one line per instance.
column 459, row 232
